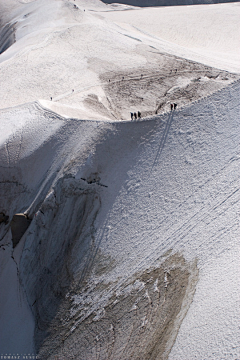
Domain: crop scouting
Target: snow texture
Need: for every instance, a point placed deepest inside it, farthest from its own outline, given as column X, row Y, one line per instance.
column 132, row 250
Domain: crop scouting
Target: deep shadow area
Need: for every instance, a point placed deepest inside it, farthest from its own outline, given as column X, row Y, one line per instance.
column 147, row 3
column 62, row 239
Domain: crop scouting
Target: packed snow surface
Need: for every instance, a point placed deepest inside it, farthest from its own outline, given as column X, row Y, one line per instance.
column 132, row 248
column 206, row 33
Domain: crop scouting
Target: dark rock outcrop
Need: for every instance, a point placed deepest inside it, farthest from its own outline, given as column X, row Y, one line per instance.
column 146, row 3
column 19, row 224
column 3, row 218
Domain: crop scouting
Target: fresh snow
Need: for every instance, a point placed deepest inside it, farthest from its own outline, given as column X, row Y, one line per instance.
column 112, row 200
column 205, row 33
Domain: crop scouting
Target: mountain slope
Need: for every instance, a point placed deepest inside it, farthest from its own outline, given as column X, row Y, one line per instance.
column 100, row 58
column 118, row 201
column 118, row 238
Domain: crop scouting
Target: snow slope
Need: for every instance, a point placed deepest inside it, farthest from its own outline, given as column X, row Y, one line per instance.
column 133, row 242
column 165, row 184
column 209, row 34
column 97, row 53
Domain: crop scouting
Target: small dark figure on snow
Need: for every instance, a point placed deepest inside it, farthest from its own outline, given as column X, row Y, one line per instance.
column 51, row 98
column 171, row 107
column 135, row 116
column 131, row 116
column 175, row 106
column 139, row 115
column 72, row 90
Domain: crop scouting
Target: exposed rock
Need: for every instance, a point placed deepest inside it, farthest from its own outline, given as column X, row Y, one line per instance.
column 3, row 218
column 19, row 225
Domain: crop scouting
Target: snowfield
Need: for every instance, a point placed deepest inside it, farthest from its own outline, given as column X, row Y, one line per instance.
column 126, row 241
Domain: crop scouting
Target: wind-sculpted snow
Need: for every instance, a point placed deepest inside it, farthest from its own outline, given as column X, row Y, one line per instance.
column 124, row 216
column 7, row 37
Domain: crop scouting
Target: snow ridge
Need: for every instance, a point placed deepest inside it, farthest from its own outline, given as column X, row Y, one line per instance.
column 129, row 230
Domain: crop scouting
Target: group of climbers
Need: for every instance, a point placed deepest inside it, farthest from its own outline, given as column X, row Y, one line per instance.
column 135, row 116
column 173, row 106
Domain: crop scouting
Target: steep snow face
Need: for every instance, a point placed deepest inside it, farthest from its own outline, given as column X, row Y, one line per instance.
column 116, row 201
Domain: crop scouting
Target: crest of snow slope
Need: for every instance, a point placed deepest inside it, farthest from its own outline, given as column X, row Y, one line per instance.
column 56, row 42
column 169, row 183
